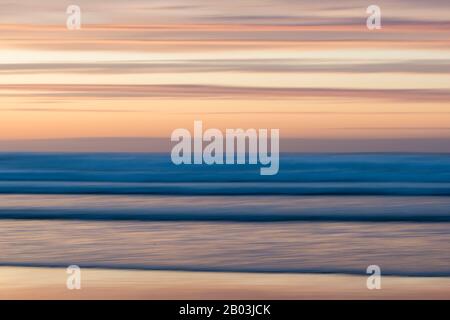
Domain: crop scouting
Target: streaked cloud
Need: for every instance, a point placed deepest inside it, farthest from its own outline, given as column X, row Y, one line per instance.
column 215, row 92
column 231, row 65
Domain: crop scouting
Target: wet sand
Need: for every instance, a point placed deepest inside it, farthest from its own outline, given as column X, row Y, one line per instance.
column 50, row 283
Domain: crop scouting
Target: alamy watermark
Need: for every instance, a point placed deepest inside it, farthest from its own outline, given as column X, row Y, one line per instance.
column 373, row 22
column 374, row 280
column 74, row 277
column 73, row 21
column 191, row 150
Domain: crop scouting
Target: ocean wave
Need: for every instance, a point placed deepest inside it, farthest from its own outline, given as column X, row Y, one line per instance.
column 230, row 189
column 154, row 174
column 302, row 168
column 397, row 247
column 214, row 208
column 240, row 269
column 235, row 217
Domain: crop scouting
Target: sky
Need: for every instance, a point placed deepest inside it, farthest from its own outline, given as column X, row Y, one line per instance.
column 137, row 70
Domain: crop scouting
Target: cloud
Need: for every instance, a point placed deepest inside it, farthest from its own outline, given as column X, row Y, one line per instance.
column 217, row 92
column 239, row 65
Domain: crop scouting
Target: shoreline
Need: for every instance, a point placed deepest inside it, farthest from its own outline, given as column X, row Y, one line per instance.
column 50, row 283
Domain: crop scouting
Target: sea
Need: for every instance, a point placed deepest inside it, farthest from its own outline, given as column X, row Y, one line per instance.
column 322, row 213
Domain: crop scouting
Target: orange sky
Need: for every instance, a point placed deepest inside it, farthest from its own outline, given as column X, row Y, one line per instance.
column 142, row 70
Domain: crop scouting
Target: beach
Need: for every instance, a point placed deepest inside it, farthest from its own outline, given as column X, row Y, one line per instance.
column 50, row 283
